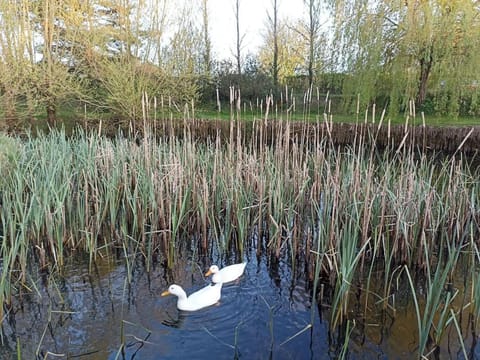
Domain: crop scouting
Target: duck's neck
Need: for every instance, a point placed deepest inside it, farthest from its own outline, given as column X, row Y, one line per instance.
column 217, row 283
column 182, row 295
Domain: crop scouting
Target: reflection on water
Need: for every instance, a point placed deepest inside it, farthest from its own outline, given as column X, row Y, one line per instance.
column 266, row 314
column 91, row 314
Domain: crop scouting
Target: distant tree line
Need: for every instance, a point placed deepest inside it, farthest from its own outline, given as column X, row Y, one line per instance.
column 108, row 55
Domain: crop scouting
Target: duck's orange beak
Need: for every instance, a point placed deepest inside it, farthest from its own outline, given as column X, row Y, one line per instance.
column 208, row 273
column 165, row 293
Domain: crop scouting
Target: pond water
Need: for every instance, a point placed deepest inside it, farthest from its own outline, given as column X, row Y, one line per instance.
column 266, row 314
column 90, row 314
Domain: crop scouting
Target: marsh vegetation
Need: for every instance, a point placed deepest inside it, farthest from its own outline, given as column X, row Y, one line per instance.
column 371, row 231
column 372, row 226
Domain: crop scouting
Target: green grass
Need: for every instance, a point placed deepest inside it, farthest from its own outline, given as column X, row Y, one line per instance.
column 431, row 120
column 71, row 115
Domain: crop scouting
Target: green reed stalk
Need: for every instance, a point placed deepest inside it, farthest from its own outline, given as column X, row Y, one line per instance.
column 92, row 193
column 9, row 254
column 438, row 300
column 475, row 275
column 321, row 220
column 179, row 211
column 453, row 318
column 348, row 332
column 270, row 323
column 243, row 201
column 348, row 256
column 19, row 349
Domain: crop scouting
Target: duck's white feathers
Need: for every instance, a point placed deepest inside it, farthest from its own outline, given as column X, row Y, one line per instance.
column 206, row 296
column 226, row 274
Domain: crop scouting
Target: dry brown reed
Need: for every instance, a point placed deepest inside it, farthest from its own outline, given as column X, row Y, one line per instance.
column 348, row 195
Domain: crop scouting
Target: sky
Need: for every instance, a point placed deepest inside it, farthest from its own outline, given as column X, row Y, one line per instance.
column 253, row 18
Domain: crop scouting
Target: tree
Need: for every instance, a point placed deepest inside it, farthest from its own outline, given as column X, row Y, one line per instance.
column 287, row 58
column 13, row 62
column 273, row 23
column 254, row 82
column 309, row 29
column 185, row 53
column 207, row 60
column 417, row 48
column 313, row 30
column 38, row 40
column 130, row 64
column 239, row 38
column 105, row 53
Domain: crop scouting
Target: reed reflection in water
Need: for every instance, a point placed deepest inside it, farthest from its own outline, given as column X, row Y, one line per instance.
column 265, row 314
column 97, row 315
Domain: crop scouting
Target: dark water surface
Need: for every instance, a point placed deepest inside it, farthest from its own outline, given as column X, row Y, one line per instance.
column 266, row 314
column 88, row 315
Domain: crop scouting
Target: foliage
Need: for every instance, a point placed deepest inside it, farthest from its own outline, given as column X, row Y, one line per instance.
column 104, row 54
column 292, row 50
column 410, row 55
column 282, row 186
column 253, row 82
column 10, row 150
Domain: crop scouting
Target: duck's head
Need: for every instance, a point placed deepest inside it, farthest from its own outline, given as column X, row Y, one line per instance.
column 173, row 290
column 212, row 270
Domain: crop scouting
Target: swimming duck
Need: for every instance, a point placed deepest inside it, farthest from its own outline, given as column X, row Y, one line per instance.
column 206, row 296
column 226, row 274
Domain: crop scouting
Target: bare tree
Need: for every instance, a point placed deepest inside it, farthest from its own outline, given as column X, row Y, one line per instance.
column 206, row 38
column 313, row 29
column 273, row 23
column 48, row 28
column 239, row 38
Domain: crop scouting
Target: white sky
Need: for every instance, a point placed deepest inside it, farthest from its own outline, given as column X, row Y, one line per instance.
column 253, row 17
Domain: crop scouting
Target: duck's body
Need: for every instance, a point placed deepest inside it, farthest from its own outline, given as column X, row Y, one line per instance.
column 226, row 274
column 206, row 296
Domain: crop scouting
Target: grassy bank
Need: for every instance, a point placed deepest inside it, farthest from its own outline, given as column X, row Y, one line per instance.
column 343, row 210
column 314, row 115
column 70, row 116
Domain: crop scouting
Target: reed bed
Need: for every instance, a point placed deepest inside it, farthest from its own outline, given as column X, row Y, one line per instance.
column 284, row 189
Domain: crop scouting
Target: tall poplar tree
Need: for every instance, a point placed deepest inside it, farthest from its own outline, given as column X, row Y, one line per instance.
column 273, row 20
column 207, row 51
column 312, row 35
column 238, row 38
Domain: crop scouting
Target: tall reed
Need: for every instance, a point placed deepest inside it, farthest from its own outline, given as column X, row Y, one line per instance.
column 285, row 184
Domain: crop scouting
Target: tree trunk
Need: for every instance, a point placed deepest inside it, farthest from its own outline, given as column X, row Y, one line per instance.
column 425, row 69
column 311, row 40
column 239, row 40
column 206, row 56
column 275, row 46
column 51, row 114
column 10, row 110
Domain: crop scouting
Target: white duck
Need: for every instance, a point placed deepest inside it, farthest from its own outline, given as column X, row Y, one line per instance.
column 206, row 296
column 226, row 274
